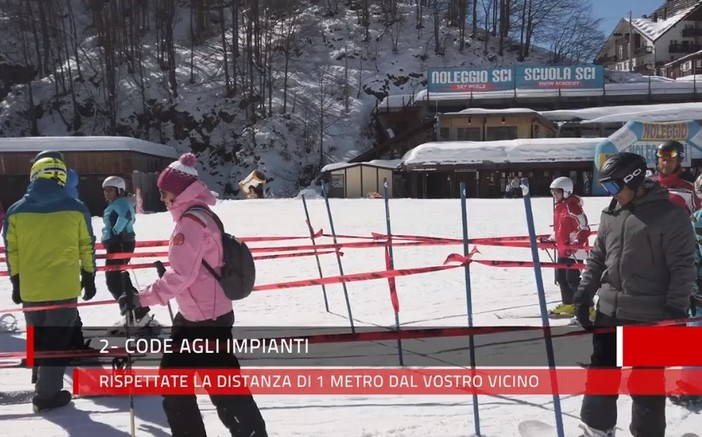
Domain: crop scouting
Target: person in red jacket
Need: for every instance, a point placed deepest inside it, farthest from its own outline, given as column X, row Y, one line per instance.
column 669, row 158
column 570, row 234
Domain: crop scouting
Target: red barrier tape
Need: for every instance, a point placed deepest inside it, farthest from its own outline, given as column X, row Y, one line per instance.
column 367, row 276
column 382, row 274
column 160, row 243
column 165, row 263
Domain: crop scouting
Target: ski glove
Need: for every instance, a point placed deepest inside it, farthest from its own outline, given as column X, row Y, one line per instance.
column 582, row 314
column 15, row 289
column 160, row 269
column 87, row 284
column 129, row 300
column 674, row 313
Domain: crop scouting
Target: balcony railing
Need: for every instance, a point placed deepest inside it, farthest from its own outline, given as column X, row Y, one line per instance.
column 691, row 32
column 643, row 50
column 684, row 48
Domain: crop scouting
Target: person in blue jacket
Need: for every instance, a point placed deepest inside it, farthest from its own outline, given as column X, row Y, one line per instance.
column 118, row 236
column 72, row 184
column 71, row 188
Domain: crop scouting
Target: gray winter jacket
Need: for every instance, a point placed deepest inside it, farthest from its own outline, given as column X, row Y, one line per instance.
column 642, row 261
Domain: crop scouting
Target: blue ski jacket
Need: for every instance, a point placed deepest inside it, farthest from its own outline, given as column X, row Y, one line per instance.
column 119, row 218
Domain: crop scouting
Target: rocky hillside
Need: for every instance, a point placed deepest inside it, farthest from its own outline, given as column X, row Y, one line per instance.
column 187, row 85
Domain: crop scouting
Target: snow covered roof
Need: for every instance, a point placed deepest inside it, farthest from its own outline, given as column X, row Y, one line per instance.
column 396, row 101
column 520, row 150
column 624, row 113
column 655, row 29
column 684, row 58
column 390, row 164
column 484, row 111
column 86, row 144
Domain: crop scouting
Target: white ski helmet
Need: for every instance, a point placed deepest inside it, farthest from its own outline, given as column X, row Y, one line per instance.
column 116, row 182
column 698, row 184
column 563, row 183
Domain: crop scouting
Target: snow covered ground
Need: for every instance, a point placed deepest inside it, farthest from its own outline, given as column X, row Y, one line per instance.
column 435, row 299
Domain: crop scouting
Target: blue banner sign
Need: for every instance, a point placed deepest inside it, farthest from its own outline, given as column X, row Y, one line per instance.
column 643, row 139
column 560, row 77
column 467, row 79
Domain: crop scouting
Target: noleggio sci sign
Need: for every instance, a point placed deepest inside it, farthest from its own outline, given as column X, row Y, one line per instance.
column 643, row 138
column 467, row 79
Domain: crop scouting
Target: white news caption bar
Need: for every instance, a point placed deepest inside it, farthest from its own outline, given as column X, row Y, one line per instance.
column 620, row 346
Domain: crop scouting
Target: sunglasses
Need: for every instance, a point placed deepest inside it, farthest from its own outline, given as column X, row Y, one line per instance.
column 613, row 187
column 667, row 153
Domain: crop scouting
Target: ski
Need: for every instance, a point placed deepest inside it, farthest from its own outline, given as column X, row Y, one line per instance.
column 88, row 358
column 18, row 397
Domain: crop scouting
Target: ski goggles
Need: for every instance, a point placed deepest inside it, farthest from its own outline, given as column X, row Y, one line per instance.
column 672, row 153
column 612, row 186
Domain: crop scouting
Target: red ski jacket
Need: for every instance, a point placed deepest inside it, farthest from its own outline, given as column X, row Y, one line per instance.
column 682, row 191
column 570, row 227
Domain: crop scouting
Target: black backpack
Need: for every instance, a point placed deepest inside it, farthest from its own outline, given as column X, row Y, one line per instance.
column 239, row 270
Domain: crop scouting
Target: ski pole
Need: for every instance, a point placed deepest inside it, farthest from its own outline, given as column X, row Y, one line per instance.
column 160, row 269
column 338, row 257
column 316, row 255
column 391, row 266
column 129, row 295
column 469, row 301
column 542, row 304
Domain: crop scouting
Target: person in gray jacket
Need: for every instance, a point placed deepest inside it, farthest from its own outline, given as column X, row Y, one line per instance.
column 642, row 267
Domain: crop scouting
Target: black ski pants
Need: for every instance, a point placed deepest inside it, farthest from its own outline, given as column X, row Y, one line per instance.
column 115, row 284
column 600, row 411
column 568, row 280
column 239, row 413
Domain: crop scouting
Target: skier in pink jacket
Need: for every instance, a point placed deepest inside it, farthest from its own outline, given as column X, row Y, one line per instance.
column 204, row 309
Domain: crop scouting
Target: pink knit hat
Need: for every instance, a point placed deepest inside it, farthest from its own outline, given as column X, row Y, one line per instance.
column 179, row 175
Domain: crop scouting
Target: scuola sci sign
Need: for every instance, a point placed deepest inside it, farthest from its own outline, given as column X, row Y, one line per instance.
column 467, row 79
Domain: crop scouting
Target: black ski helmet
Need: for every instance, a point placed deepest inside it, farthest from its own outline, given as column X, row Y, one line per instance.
column 672, row 149
column 623, row 169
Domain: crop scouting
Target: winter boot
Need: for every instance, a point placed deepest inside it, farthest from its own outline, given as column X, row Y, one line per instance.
column 58, row 400
column 592, row 432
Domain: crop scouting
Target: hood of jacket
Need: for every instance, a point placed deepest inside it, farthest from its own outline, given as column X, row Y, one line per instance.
column 71, row 178
column 45, row 192
column 197, row 194
column 654, row 192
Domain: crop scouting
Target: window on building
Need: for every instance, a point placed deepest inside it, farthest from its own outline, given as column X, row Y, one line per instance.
column 444, row 134
column 501, row 133
column 469, row 134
